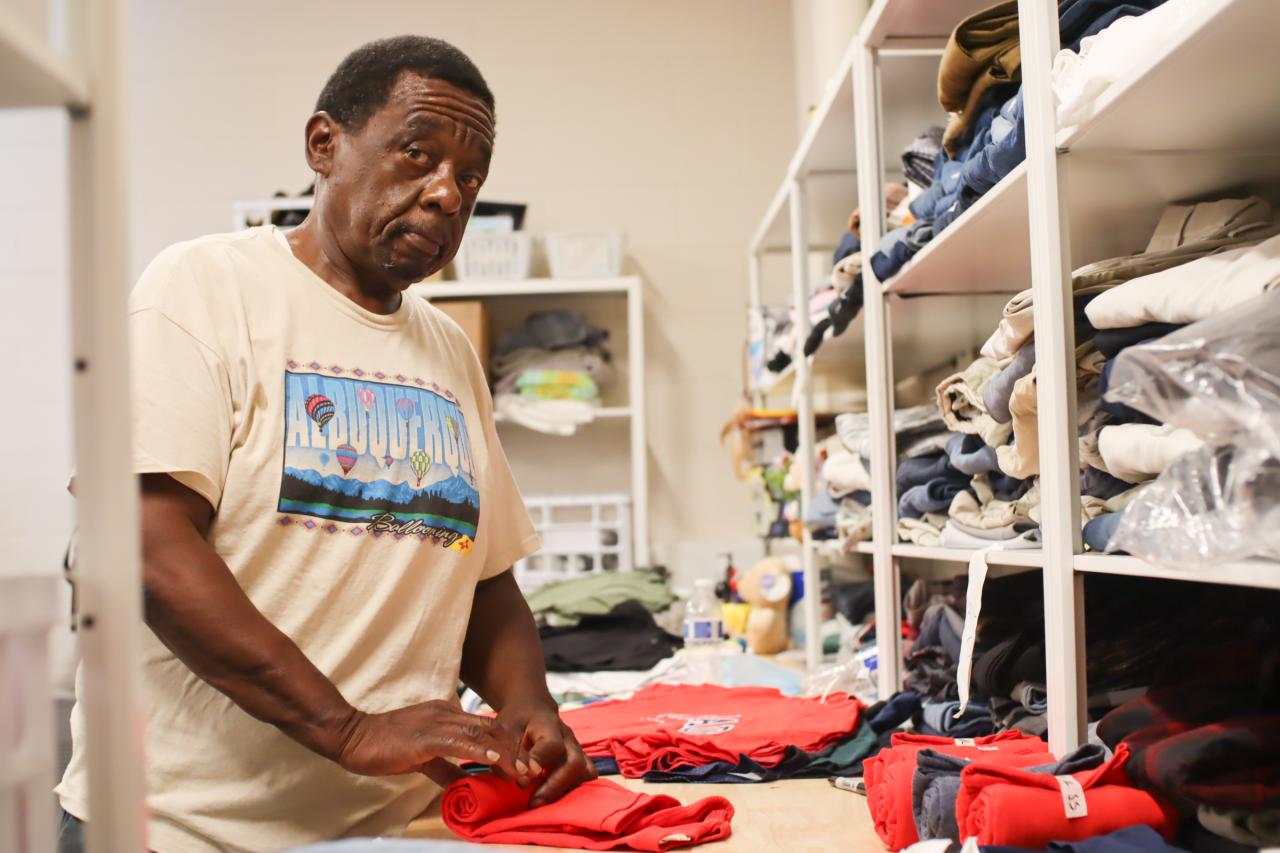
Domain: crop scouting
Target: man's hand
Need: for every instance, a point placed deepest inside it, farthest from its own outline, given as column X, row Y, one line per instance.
column 420, row 738
column 553, row 750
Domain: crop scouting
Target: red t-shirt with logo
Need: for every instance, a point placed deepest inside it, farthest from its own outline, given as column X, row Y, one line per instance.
column 672, row 726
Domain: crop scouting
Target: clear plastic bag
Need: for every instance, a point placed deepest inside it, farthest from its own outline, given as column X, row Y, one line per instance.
column 1219, row 378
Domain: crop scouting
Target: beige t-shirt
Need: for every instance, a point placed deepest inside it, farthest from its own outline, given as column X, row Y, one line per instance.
column 361, row 493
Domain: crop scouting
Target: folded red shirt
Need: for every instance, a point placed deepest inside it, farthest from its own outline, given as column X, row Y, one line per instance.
column 597, row 815
column 889, row 782
column 1007, row 806
column 672, row 726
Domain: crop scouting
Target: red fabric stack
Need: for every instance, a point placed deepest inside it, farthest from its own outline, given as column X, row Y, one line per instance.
column 597, row 815
column 888, row 775
column 670, row 726
column 1006, row 806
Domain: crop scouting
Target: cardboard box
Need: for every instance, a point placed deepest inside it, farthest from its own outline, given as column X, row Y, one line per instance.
column 471, row 315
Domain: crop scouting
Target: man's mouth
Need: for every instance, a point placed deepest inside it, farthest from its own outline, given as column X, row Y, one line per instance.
column 421, row 242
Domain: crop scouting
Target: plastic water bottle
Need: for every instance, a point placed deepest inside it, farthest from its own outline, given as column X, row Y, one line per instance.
column 703, row 632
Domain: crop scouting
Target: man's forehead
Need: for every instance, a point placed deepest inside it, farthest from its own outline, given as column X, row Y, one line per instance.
column 419, row 99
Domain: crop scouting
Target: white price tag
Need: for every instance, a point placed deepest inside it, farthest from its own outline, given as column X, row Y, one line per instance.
column 988, row 749
column 966, row 741
column 1073, row 802
column 971, row 845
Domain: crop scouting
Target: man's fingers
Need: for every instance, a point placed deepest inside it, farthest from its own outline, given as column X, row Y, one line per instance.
column 549, row 753
column 576, row 769
column 442, row 772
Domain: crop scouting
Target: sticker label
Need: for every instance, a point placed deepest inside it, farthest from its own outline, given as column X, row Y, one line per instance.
column 988, row 749
column 971, row 845
column 1073, row 802
column 966, row 741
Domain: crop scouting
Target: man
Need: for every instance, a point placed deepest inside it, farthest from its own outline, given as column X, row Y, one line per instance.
column 328, row 519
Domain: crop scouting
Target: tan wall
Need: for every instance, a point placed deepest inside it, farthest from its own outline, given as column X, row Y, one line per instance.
column 667, row 118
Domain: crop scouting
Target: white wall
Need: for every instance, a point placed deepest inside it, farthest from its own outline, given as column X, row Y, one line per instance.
column 35, row 429
column 822, row 30
column 667, row 118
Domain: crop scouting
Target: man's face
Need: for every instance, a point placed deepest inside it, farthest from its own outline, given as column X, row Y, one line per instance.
column 403, row 187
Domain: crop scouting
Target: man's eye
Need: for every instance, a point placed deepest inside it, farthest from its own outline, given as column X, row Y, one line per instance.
column 472, row 182
column 417, row 154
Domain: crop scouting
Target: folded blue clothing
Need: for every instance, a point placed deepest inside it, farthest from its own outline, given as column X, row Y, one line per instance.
column 1099, row 531
column 997, row 392
column 936, row 784
column 1006, row 488
column 1131, row 839
column 822, row 510
column 899, row 246
column 1119, row 412
column 897, row 709
column 953, row 201
column 1079, row 19
column 937, row 717
column 849, row 244
column 1097, row 483
column 969, row 454
column 934, row 496
column 1111, row 342
column 999, row 149
column 918, row 470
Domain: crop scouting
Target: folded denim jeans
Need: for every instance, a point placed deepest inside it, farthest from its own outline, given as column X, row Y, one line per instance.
column 969, row 454
column 920, row 470
column 934, row 496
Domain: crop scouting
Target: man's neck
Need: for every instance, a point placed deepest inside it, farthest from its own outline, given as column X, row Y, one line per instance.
column 314, row 245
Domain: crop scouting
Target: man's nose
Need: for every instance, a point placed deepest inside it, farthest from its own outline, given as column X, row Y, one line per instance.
column 440, row 190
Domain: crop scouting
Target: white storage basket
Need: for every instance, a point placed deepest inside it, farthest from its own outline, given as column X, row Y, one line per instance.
column 596, row 255
column 581, row 535
column 487, row 256
column 28, row 608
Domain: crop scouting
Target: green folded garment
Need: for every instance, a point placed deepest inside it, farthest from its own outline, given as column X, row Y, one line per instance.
column 595, row 595
column 557, row 385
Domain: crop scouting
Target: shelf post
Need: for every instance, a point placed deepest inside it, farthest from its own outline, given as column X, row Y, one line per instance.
column 805, row 456
column 1055, row 380
column 639, row 425
column 107, row 571
column 879, row 359
column 753, row 314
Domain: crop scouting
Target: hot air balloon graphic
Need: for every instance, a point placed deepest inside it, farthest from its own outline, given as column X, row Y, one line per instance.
column 324, row 459
column 320, row 409
column 366, row 399
column 346, row 458
column 406, row 410
column 421, row 464
column 387, row 460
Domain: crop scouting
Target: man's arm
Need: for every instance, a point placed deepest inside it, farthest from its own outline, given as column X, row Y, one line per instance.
column 502, row 661
column 198, row 610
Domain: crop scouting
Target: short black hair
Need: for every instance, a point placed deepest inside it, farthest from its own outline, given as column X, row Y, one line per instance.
column 362, row 83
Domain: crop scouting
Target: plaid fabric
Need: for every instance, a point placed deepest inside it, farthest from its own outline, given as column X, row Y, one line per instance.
column 1201, row 746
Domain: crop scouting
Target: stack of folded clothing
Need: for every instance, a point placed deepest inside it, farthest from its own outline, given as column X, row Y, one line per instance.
column 1211, row 743
column 549, row 375
column 603, row 622
column 889, row 775
column 707, row 733
column 1131, row 839
column 833, row 305
column 978, row 84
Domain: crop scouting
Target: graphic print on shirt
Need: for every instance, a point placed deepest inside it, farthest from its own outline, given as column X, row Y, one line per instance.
column 371, row 457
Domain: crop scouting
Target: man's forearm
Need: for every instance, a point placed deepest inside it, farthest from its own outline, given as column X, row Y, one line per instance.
column 196, row 608
column 502, row 656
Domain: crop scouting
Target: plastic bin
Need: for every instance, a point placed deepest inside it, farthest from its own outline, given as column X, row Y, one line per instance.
column 581, row 535
column 582, row 255
column 485, row 256
column 28, row 611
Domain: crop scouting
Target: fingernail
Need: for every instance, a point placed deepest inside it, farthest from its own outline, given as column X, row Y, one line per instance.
column 534, row 765
column 492, row 755
column 536, row 803
column 522, row 768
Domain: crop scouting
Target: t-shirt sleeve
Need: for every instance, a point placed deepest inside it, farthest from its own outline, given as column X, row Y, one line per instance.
column 181, row 391
column 513, row 535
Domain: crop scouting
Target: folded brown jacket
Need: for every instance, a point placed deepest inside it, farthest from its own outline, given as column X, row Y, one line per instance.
column 982, row 52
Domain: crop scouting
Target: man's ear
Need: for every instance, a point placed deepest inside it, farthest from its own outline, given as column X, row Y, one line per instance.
column 321, row 139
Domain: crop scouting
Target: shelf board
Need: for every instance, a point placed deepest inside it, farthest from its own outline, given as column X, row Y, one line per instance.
column 602, row 413
column 827, row 144
column 1023, row 559
column 31, row 73
column 525, row 287
column 1217, row 69
column 961, row 260
column 889, row 20
column 1253, row 573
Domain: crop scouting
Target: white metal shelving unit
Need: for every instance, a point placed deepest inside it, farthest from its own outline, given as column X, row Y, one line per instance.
column 1083, row 194
column 76, row 64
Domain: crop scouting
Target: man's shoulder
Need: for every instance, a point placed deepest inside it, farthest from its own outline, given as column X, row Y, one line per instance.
column 211, row 263
column 216, row 248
